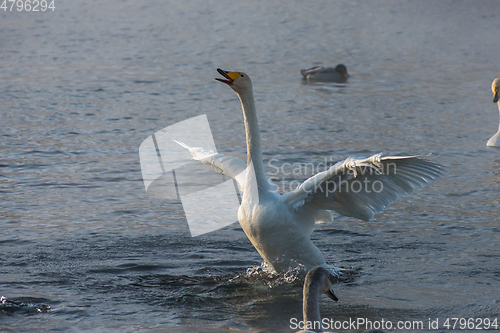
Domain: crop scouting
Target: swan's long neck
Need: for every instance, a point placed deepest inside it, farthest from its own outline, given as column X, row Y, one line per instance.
column 499, row 113
column 254, row 151
column 310, row 307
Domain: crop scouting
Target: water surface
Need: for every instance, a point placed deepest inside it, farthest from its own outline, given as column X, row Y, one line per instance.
column 84, row 85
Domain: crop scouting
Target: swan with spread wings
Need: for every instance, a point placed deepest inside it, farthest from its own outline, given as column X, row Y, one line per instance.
column 280, row 225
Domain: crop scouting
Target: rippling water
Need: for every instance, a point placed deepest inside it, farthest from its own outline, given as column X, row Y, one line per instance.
column 84, row 85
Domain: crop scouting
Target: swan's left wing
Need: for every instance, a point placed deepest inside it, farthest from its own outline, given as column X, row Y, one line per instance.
column 228, row 165
column 362, row 187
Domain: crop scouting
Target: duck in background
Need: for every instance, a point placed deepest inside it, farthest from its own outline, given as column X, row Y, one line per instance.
column 327, row 74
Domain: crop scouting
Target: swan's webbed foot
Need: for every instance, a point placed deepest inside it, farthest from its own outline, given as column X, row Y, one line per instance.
column 336, row 272
column 341, row 273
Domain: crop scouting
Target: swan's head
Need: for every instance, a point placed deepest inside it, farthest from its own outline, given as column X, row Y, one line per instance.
column 238, row 81
column 321, row 277
column 495, row 87
column 341, row 69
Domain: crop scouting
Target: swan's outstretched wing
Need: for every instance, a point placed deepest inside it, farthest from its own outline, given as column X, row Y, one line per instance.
column 362, row 187
column 231, row 166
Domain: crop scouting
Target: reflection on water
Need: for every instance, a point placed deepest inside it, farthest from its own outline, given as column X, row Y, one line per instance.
column 84, row 85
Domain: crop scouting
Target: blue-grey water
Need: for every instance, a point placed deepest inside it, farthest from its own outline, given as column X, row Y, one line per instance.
column 82, row 86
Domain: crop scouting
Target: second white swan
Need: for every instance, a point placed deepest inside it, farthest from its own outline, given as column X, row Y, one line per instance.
column 317, row 281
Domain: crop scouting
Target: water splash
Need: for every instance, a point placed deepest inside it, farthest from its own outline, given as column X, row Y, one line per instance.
column 265, row 274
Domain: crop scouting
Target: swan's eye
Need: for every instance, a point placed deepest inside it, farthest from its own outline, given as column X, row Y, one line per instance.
column 242, row 75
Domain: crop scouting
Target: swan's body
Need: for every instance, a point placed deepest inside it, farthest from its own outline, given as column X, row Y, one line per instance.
column 494, row 141
column 337, row 74
column 280, row 225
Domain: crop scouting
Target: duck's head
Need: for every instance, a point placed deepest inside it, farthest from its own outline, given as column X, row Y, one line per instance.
column 238, row 81
column 495, row 87
column 341, row 69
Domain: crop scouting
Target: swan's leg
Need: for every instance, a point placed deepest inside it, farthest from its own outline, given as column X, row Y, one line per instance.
column 338, row 272
column 335, row 271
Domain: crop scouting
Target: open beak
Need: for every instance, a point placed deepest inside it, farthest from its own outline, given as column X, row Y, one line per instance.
column 495, row 97
column 330, row 294
column 229, row 77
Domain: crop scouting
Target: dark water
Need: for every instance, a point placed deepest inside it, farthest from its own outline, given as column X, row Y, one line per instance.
column 84, row 85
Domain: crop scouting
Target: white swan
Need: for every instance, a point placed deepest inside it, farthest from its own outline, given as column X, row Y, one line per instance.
column 494, row 141
column 280, row 225
column 337, row 74
column 317, row 281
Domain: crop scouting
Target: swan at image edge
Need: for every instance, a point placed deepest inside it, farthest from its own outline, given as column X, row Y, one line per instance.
column 494, row 141
column 280, row 225
column 338, row 74
column 317, row 281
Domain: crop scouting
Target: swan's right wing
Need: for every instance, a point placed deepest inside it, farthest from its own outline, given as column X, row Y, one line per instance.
column 228, row 165
column 362, row 187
